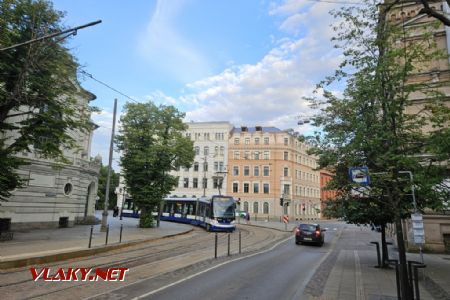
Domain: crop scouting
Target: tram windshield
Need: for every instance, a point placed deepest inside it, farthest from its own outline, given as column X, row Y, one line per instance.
column 223, row 207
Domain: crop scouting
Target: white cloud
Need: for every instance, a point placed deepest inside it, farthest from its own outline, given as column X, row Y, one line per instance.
column 166, row 50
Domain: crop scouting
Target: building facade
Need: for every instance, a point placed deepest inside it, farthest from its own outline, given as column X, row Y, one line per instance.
column 325, row 194
column 267, row 164
column 210, row 168
column 55, row 197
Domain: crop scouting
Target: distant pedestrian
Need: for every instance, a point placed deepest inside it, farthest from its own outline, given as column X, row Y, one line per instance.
column 247, row 217
column 115, row 211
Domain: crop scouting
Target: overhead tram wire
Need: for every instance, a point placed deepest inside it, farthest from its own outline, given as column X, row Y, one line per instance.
column 108, row 86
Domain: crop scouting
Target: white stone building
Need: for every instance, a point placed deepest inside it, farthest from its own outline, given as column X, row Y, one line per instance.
column 209, row 169
column 55, row 197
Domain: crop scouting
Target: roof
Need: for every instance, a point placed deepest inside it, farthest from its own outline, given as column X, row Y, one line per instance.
column 253, row 129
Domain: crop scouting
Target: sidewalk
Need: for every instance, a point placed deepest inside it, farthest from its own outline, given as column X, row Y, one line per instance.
column 73, row 242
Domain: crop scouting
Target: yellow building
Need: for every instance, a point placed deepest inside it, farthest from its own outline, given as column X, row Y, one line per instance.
column 266, row 164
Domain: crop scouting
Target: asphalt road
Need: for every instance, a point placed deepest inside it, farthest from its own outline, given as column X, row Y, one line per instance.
column 282, row 273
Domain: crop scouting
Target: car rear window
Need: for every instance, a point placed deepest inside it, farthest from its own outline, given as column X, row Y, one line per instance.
column 307, row 227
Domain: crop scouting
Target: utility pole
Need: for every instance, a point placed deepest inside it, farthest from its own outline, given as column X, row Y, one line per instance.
column 205, row 163
column 105, row 208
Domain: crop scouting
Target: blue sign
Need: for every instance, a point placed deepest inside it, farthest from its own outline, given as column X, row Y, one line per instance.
column 359, row 175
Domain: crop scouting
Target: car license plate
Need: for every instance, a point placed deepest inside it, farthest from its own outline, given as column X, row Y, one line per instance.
column 307, row 239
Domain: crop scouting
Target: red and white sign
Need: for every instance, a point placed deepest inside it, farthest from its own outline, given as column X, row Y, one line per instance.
column 286, row 219
column 79, row 274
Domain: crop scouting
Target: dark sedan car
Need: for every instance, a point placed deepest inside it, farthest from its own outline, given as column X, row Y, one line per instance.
column 309, row 233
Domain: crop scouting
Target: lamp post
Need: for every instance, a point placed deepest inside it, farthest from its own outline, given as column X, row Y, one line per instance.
column 123, row 202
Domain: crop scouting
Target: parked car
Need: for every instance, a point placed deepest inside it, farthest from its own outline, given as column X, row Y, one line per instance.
column 309, row 233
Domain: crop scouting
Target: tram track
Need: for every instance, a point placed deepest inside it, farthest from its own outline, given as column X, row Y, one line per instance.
column 183, row 250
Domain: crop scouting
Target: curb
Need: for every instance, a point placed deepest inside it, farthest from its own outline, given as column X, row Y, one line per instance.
column 27, row 261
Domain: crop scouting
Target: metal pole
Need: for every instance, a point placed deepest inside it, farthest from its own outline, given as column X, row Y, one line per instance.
column 378, row 254
column 239, row 242
column 228, row 244
column 107, row 233
column 90, row 237
column 121, row 228
column 123, row 202
column 108, row 179
column 215, row 246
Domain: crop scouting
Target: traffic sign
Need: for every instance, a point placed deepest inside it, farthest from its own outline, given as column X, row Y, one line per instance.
column 286, row 219
column 418, row 229
column 359, row 175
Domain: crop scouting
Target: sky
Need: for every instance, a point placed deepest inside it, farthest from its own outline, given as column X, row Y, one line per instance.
column 249, row 62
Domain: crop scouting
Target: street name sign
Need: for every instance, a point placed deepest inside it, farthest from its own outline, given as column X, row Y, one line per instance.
column 418, row 230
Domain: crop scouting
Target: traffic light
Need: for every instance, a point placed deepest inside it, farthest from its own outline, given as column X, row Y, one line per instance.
column 287, row 203
column 281, row 201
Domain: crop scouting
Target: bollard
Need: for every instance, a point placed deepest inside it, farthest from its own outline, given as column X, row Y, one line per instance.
column 397, row 276
column 90, row 237
column 239, row 242
column 378, row 254
column 267, row 218
column 121, row 228
column 229, row 244
column 215, row 246
column 416, row 280
column 107, row 233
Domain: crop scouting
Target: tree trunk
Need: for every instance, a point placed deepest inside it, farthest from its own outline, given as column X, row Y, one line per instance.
column 384, row 248
column 405, row 289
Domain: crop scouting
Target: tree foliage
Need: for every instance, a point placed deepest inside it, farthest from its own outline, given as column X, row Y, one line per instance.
column 38, row 89
column 152, row 141
column 114, row 182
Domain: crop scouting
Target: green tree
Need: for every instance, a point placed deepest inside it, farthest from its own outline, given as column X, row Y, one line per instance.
column 38, row 89
column 114, row 182
column 152, row 141
column 367, row 125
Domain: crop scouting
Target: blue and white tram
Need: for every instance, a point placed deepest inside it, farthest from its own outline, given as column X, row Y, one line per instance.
column 215, row 213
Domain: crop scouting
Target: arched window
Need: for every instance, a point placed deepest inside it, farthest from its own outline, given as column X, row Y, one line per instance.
column 197, row 150
column 246, row 206
column 206, row 150
column 266, row 208
column 255, row 207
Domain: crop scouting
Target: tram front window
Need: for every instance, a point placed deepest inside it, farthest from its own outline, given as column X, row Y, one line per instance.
column 223, row 207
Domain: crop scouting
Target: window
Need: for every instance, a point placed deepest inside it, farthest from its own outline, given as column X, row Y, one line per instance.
column 256, row 154
column 186, row 182
column 205, row 183
column 286, row 172
column 235, row 171
column 256, row 171
column 197, row 150
column 266, row 188
column 287, row 189
column 221, row 169
column 206, row 136
column 236, row 141
column 196, row 167
column 246, row 188
column 68, row 188
column 246, row 206
column 195, row 183
column 246, row 171
column 266, row 141
column 286, row 141
column 188, row 134
column 236, row 154
column 247, row 155
column 205, row 167
column 256, row 141
column 206, row 150
column 256, row 188
column 216, row 166
column 247, row 141
column 216, row 182
column 266, row 155
column 266, row 208
column 222, row 150
column 286, row 155
column 216, row 150
column 266, row 171
column 255, row 207
column 235, row 187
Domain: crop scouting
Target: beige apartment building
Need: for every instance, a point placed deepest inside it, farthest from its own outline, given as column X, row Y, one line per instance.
column 266, row 164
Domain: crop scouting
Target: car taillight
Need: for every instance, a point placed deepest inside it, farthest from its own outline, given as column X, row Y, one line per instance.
column 317, row 232
column 297, row 231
